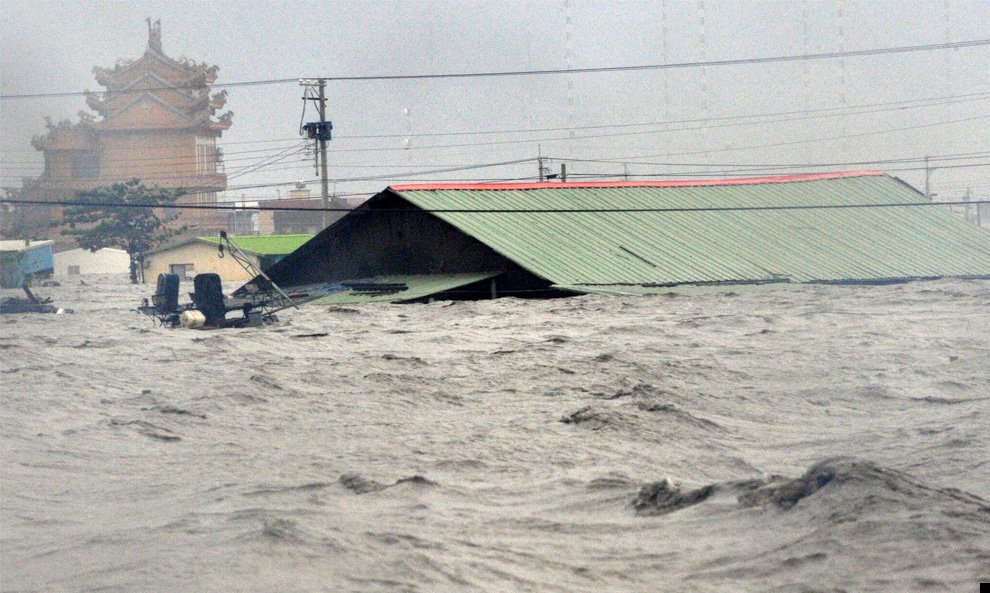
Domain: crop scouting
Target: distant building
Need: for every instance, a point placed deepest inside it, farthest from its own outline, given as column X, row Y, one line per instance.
column 243, row 222
column 154, row 122
column 305, row 216
column 201, row 254
column 79, row 261
column 19, row 259
column 299, row 213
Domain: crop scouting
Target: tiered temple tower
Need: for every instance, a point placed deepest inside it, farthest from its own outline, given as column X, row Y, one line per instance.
column 155, row 122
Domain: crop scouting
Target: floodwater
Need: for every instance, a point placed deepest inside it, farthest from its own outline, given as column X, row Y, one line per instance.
column 814, row 438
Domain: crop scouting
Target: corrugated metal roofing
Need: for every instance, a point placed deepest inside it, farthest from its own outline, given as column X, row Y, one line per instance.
column 264, row 244
column 19, row 245
column 693, row 239
column 413, row 287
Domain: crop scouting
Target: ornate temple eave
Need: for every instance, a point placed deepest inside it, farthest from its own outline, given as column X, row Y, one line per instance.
column 97, row 102
column 222, row 123
column 218, row 100
column 64, row 135
column 190, row 75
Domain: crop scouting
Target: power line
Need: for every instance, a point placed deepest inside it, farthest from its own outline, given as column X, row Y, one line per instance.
column 154, row 175
column 288, row 152
column 402, row 174
column 970, row 97
column 498, row 210
column 709, row 169
column 640, row 133
column 893, row 106
column 226, row 154
column 561, row 71
column 630, row 159
column 745, row 171
column 268, row 141
column 947, row 157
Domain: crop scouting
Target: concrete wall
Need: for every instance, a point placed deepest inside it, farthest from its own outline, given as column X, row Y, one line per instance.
column 202, row 256
column 84, row 261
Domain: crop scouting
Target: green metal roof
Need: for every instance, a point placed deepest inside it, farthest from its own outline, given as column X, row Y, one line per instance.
column 409, row 288
column 565, row 233
column 264, row 244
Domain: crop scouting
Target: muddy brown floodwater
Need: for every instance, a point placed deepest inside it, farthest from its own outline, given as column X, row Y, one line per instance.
column 815, row 438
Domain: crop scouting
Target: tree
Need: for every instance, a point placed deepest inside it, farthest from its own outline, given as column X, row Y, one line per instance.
column 23, row 221
column 121, row 215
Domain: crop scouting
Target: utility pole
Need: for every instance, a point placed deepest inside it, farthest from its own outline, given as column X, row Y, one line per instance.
column 324, row 181
column 321, row 132
column 966, row 199
column 539, row 160
column 928, row 175
column 979, row 221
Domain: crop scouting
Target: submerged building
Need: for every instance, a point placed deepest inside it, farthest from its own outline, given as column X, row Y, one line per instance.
column 200, row 255
column 413, row 242
column 20, row 260
column 79, row 261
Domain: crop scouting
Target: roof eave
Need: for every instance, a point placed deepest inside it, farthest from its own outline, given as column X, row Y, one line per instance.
column 798, row 178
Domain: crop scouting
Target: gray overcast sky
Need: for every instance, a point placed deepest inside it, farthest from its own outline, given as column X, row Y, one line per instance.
column 390, row 129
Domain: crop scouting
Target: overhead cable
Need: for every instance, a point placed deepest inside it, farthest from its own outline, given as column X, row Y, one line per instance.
column 495, row 210
column 561, row 71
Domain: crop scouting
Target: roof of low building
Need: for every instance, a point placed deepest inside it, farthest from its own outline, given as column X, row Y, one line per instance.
column 19, row 245
column 860, row 226
column 253, row 244
column 302, row 203
column 264, row 244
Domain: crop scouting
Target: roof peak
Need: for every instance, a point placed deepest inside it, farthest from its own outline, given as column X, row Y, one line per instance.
column 154, row 35
column 603, row 184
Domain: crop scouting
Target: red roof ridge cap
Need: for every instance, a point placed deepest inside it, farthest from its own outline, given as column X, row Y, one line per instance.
column 669, row 183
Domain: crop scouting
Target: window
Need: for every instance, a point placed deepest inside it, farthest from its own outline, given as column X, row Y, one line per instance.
column 85, row 165
column 206, row 156
column 73, row 270
column 183, row 271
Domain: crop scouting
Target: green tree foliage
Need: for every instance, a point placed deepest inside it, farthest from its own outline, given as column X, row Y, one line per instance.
column 23, row 221
column 121, row 216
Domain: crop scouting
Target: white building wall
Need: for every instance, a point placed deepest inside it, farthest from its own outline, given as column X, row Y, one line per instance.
column 84, row 261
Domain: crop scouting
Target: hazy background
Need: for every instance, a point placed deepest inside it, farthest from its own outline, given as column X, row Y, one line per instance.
column 652, row 123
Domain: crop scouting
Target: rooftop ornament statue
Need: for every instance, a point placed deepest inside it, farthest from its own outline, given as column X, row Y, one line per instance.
column 154, row 34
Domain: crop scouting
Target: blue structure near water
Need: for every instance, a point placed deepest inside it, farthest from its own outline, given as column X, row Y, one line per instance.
column 18, row 259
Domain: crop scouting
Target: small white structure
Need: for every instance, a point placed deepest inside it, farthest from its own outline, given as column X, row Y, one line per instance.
column 83, row 261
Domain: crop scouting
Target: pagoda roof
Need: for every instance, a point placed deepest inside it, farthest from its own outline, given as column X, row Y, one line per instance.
column 149, row 58
column 130, row 106
column 162, row 84
column 111, row 101
column 186, row 69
